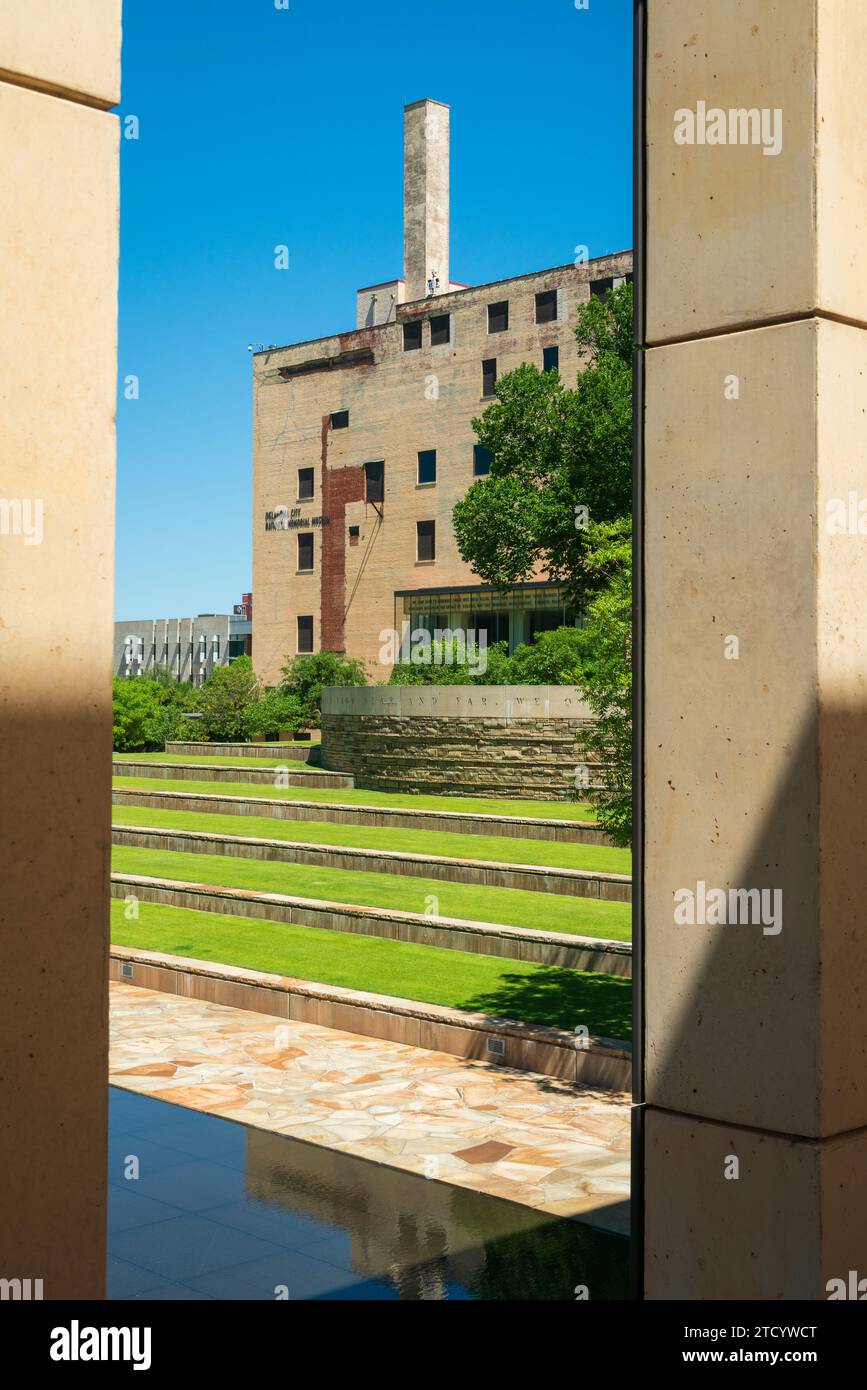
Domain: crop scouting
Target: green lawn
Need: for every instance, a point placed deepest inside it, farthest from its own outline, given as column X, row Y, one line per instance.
column 197, row 760
column 482, row 806
column 456, row 979
column 509, row 906
column 505, row 849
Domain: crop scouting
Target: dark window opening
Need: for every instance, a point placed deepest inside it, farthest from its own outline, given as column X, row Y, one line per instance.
column 599, row 288
column 481, row 461
column 354, row 535
column 546, row 306
column 306, row 483
column 374, row 482
column 412, row 336
column 548, row 620
column 498, row 317
column 340, row 420
column 305, row 550
column 551, row 359
column 426, row 532
column 489, row 376
column 440, row 330
column 427, row 466
column 496, row 627
column 305, row 635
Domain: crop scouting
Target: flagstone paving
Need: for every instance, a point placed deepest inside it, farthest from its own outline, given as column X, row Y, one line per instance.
column 530, row 1139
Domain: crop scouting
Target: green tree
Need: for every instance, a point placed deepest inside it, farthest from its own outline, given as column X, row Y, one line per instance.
column 555, row 451
column 306, row 676
column 604, row 677
column 226, row 699
column 148, row 711
column 276, row 712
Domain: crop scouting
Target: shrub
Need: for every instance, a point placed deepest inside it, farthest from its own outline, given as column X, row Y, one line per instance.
column 225, row 701
column 306, row 676
column 274, row 712
column 554, row 658
column 148, row 711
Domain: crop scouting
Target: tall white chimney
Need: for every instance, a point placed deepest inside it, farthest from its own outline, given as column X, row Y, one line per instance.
column 426, row 199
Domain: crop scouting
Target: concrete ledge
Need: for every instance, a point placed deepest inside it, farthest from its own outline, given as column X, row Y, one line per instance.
column 336, row 813
column 293, row 752
column 577, row 883
column 604, row 1063
column 450, row 933
column 206, row 772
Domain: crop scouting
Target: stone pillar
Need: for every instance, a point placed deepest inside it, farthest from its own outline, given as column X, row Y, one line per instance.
column 756, row 649
column 426, row 197
column 59, row 72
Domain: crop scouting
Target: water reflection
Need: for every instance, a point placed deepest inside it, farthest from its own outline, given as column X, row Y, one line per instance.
column 223, row 1211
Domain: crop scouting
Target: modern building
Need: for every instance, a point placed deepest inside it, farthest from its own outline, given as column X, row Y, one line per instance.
column 190, row 648
column 364, row 440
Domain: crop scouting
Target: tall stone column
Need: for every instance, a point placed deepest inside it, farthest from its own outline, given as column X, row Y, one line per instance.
column 756, row 649
column 59, row 72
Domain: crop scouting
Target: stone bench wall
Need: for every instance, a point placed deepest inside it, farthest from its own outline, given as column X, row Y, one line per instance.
column 504, row 741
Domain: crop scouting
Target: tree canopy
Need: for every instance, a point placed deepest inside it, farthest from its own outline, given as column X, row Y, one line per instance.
column 556, row 451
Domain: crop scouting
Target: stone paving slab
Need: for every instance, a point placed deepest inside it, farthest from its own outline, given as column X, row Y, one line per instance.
column 531, row 1139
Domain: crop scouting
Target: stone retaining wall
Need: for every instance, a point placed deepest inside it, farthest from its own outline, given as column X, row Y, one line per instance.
column 296, row 752
column 601, row 1062
column 505, row 741
column 206, row 772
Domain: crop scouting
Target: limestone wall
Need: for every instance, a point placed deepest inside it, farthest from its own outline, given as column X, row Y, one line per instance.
column 506, row 741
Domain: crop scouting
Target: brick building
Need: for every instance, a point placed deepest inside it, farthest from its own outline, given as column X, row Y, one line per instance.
column 363, row 441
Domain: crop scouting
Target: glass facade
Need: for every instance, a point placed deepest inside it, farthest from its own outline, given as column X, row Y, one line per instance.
column 512, row 615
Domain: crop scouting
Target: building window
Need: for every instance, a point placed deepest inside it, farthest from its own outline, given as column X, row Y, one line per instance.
column 599, row 288
column 412, row 336
column 305, row 550
column 305, row 635
column 440, row 330
column 427, row 466
column 551, row 359
column 498, row 317
column 546, row 306
column 426, row 540
column 489, row 376
column 340, row 420
column 215, row 647
column 354, row 535
column 306, row 482
column 374, row 482
column 481, row 461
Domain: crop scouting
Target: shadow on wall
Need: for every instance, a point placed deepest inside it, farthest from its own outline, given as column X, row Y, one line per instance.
column 762, row 1021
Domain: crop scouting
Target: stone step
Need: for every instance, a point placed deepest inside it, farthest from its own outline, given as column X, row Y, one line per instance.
column 258, row 776
column 455, row 822
column 578, row 883
column 603, row 1063
column 451, row 933
column 293, row 752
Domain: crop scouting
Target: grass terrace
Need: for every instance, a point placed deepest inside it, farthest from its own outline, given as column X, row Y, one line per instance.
column 505, row 906
column 456, row 979
column 492, row 848
column 470, row 805
column 206, row 759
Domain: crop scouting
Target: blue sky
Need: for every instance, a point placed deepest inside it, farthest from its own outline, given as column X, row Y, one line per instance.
column 261, row 126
